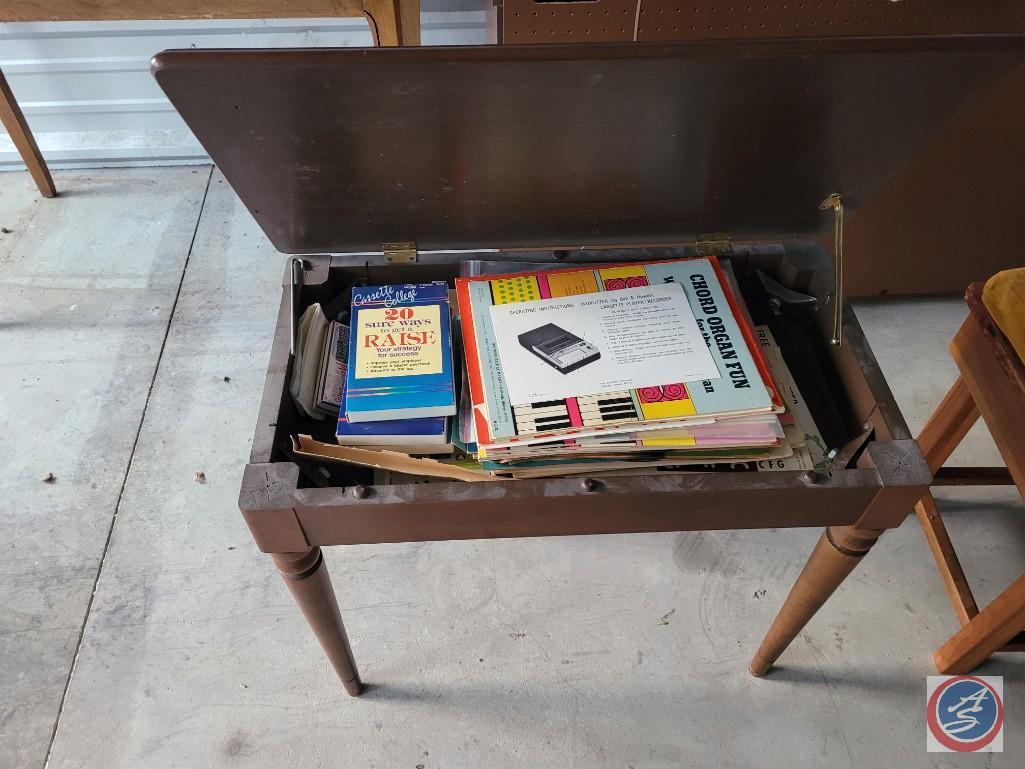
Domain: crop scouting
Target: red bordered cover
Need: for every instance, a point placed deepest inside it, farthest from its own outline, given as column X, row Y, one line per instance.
column 470, row 347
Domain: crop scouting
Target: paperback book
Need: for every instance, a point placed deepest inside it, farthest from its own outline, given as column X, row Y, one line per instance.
column 309, row 367
column 331, row 382
column 429, row 435
column 400, row 354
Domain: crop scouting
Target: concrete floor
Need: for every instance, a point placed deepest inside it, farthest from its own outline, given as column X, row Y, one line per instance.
column 141, row 628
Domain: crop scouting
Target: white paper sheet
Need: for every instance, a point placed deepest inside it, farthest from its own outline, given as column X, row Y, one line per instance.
column 600, row 342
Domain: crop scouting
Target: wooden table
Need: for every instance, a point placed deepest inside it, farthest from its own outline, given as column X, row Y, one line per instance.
column 392, row 23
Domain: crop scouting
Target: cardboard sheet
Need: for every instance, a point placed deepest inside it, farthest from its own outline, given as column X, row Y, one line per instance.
column 305, row 446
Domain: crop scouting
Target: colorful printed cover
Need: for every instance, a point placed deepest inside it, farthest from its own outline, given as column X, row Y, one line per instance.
column 400, row 353
column 753, row 431
column 745, row 384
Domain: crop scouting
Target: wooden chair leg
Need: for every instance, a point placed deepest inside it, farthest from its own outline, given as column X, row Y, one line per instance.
column 838, row 551
column 947, row 563
column 986, row 633
column 393, row 22
column 948, row 425
column 14, row 122
column 308, row 580
column 409, row 13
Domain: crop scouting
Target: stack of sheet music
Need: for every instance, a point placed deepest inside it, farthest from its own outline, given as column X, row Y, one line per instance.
column 643, row 365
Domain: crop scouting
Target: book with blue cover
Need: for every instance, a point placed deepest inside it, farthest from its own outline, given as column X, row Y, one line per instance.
column 400, row 354
column 413, row 436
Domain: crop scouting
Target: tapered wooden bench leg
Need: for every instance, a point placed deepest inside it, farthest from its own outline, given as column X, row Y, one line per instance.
column 985, row 633
column 307, row 579
column 14, row 122
column 838, row 551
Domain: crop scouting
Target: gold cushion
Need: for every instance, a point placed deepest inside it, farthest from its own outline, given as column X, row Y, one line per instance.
column 1004, row 297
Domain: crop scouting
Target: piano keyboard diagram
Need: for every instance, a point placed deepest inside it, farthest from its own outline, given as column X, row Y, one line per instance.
column 582, row 411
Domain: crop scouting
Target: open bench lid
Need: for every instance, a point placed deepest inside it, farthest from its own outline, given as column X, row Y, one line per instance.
column 341, row 150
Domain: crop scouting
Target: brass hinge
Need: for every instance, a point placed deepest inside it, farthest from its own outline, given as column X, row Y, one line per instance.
column 400, row 252
column 715, row 244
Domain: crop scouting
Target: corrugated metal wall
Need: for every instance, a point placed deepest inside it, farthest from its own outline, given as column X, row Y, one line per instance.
column 87, row 94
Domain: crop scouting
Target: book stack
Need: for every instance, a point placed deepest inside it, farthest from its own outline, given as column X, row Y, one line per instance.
column 626, row 368
column 318, row 375
column 399, row 385
column 643, row 365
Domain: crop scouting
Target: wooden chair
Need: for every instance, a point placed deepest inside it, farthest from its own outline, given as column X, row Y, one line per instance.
column 392, row 23
column 991, row 384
